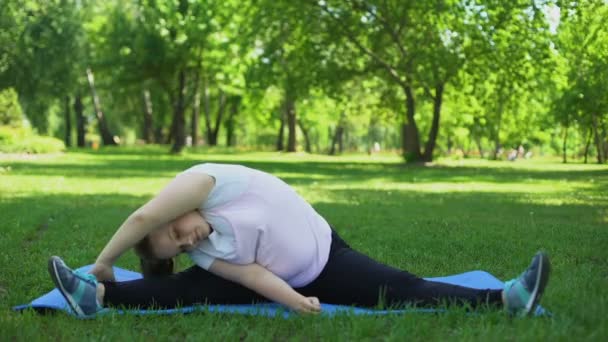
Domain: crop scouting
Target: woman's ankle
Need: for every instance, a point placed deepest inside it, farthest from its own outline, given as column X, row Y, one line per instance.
column 101, row 292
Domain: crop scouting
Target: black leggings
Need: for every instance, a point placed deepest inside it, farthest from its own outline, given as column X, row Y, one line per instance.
column 349, row 278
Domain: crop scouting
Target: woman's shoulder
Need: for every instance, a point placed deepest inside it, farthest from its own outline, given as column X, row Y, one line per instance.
column 231, row 180
column 215, row 168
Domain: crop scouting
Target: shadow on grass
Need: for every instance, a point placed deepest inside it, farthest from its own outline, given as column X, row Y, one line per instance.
column 160, row 150
column 40, row 217
column 152, row 167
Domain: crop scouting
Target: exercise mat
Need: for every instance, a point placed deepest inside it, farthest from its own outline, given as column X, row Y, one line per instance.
column 54, row 301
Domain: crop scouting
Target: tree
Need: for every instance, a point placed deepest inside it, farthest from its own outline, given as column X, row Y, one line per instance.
column 43, row 48
column 582, row 43
column 290, row 55
column 160, row 41
column 420, row 47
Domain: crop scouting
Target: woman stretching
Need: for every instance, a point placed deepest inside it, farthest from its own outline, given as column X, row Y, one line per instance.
column 253, row 238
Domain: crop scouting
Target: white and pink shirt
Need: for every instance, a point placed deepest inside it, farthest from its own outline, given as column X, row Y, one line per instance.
column 258, row 218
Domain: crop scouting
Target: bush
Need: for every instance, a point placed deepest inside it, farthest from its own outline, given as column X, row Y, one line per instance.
column 10, row 110
column 24, row 140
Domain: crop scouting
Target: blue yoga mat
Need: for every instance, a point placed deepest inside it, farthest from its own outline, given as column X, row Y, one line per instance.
column 54, row 301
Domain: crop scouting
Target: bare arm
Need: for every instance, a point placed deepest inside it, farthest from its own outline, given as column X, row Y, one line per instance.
column 266, row 283
column 184, row 193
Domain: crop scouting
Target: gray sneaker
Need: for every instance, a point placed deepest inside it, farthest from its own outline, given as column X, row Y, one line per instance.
column 523, row 293
column 78, row 288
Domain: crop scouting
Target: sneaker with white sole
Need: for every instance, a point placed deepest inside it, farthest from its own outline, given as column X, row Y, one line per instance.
column 523, row 293
column 78, row 288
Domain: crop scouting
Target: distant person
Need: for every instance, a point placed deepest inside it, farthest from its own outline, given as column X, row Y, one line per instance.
column 512, row 155
column 253, row 238
column 374, row 149
column 521, row 151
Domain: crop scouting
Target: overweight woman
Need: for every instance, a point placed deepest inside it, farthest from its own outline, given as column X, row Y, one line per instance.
column 253, row 238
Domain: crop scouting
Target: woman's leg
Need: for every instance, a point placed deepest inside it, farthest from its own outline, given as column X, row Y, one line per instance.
column 192, row 286
column 352, row 278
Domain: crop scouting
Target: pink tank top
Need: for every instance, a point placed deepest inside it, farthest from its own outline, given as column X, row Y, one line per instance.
column 276, row 228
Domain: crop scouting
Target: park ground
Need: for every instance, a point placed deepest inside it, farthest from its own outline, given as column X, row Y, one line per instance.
column 448, row 217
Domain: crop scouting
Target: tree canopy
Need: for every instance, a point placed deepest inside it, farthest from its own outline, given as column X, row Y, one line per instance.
column 425, row 78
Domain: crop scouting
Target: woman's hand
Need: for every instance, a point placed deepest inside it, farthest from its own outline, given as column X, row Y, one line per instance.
column 102, row 272
column 308, row 305
column 266, row 283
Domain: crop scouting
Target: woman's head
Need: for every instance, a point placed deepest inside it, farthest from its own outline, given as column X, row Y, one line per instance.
column 158, row 248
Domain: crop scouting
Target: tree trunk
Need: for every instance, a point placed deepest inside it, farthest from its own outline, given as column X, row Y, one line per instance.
column 498, row 123
column 565, row 145
column 80, row 124
column 281, row 137
column 106, row 136
column 430, row 143
column 496, row 134
column 603, row 139
column 306, row 137
column 230, row 123
column 147, row 129
column 496, row 146
column 598, row 140
column 218, row 119
column 68, row 123
column 196, row 110
column 337, row 140
column 588, row 143
column 450, row 145
column 290, row 112
column 466, row 151
column 410, row 137
column 211, row 131
column 158, row 135
column 179, row 119
column 338, row 135
column 207, row 108
column 171, row 133
column 479, row 147
column 341, row 139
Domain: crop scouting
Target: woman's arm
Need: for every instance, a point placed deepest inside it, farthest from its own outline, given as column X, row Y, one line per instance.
column 266, row 283
column 184, row 193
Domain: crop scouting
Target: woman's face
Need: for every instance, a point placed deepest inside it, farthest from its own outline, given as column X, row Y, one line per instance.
column 179, row 235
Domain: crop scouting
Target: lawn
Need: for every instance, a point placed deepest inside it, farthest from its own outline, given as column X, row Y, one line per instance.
column 445, row 218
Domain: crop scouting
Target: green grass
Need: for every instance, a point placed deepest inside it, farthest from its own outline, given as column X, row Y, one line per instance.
column 441, row 219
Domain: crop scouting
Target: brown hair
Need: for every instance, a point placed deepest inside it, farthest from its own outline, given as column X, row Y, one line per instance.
column 150, row 265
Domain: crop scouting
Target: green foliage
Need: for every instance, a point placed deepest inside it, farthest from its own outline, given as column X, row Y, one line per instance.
column 10, row 109
column 45, row 49
column 25, row 140
column 475, row 76
column 581, row 99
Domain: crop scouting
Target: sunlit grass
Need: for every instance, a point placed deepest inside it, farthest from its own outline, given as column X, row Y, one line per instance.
column 446, row 217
